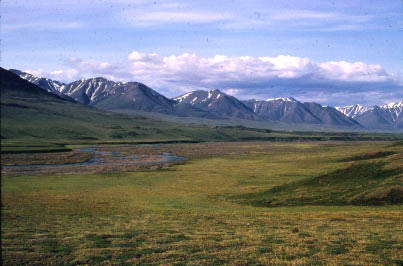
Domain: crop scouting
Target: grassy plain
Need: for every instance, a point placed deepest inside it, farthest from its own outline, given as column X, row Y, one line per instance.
column 207, row 211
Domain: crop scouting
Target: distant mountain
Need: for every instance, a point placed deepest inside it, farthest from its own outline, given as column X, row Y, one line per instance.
column 330, row 116
column 282, row 109
column 388, row 116
column 290, row 110
column 215, row 103
column 134, row 96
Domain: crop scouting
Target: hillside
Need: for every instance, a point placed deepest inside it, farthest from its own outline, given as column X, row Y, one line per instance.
column 370, row 178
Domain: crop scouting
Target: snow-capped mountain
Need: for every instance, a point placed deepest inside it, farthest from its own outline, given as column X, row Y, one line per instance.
column 283, row 99
column 215, row 103
column 111, row 95
column 376, row 117
column 90, row 91
column 105, row 94
column 395, row 109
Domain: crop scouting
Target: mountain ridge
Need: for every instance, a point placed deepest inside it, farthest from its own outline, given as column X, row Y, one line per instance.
column 214, row 104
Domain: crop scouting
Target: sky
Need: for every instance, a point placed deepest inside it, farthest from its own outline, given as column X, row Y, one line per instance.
column 332, row 52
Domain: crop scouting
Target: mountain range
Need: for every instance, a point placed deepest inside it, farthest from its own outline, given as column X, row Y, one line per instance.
column 376, row 117
column 34, row 119
column 214, row 104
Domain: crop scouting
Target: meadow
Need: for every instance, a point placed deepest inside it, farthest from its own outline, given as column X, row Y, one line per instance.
column 258, row 203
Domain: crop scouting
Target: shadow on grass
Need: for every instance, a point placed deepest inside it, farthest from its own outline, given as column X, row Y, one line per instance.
column 357, row 184
column 367, row 156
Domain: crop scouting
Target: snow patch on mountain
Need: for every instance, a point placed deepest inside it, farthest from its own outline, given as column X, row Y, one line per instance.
column 353, row 110
column 284, row 99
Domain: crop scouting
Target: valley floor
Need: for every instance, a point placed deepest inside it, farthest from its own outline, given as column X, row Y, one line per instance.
column 300, row 203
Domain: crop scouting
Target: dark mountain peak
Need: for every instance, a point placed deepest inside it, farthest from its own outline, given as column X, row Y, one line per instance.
column 17, row 72
column 32, row 78
column 139, row 85
column 49, row 85
column 216, row 91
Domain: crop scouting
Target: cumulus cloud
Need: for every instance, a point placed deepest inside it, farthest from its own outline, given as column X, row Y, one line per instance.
column 242, row 76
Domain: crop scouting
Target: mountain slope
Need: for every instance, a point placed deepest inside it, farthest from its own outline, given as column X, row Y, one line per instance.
column 330, row 116
column 49, row 85
column 13, row 87
column 135, row 96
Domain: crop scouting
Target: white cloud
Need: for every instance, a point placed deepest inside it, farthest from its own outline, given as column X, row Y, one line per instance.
column 357, row 71
column 42, row 26
column 298, row 14
column 302, row 14
column 140, row 18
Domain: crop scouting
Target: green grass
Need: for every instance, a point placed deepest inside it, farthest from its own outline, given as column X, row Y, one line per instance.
column 186, row 214
column 358, row 184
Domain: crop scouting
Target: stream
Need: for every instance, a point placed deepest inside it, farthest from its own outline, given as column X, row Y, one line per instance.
column 102, row 158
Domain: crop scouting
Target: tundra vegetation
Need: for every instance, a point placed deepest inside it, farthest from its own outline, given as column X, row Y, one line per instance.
column 300, row 203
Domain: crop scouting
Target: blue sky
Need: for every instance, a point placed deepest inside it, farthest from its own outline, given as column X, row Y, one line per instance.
column 331, row 52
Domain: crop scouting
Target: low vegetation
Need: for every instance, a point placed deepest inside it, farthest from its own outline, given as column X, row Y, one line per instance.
column 213, row 208
column 358, row 184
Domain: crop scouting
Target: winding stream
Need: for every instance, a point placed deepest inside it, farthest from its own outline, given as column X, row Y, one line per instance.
column 113, row 157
